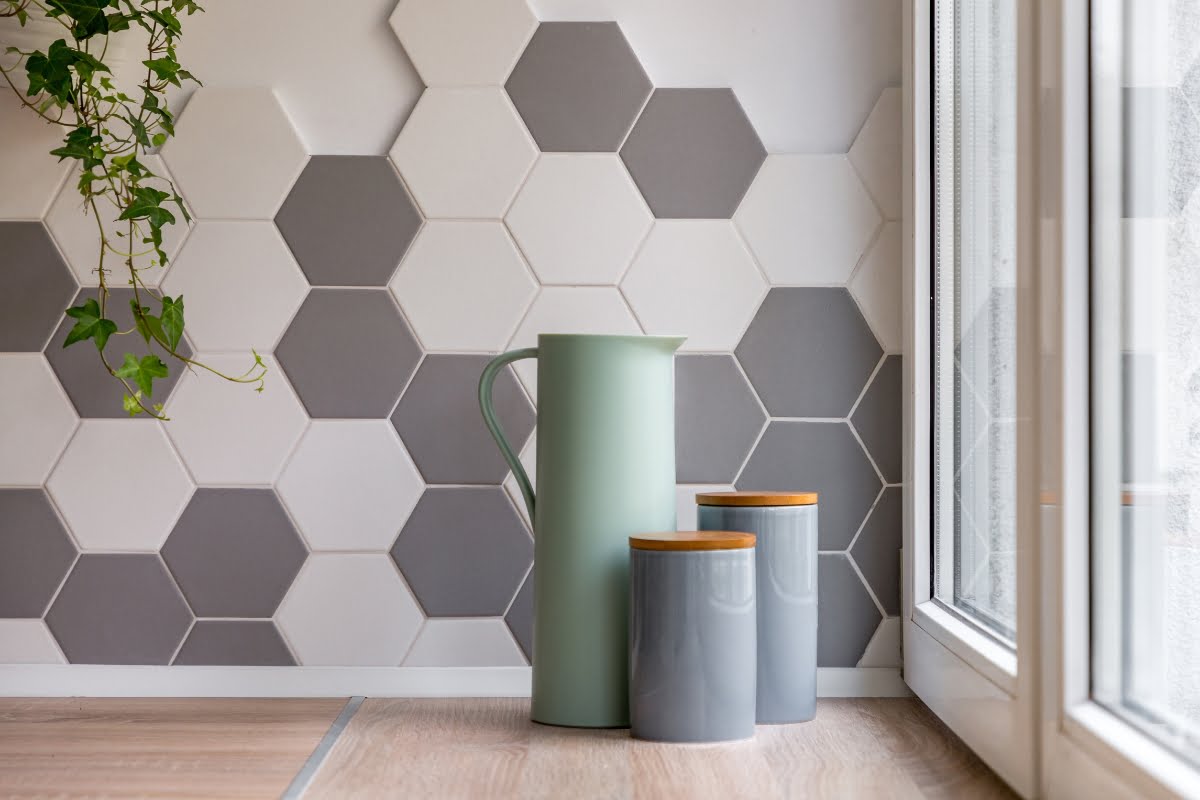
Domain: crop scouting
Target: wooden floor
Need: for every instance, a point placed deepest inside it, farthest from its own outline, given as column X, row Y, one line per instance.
column 464, row 749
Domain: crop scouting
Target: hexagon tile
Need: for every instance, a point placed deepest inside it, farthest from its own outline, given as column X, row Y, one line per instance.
column 463, row 42
column 579, row 219
column 38, row 286
column 92, row 390
column 520, row 617
column 799, row 334
column 465, row 643
column 848, row 616
column 234, row 642
column 696, row 278
column 93, row 481
column 234, row 553
column 717, row 419
column 438, row 419
column 35, row 552
column 876, row 285
column 250, row 256
column 24, row 163
column 823, row 457
column 349, row 353
column 119, row 609
column 350, row 485
column 877, row 550
column 450, row 256
column 348, row 220
column 27, row 641
column 578, row 87
column 464, row 552
column 224, row 135
column 877, row 155
column 350, row 609
column 693, row 153
column 464, row 153
column 808, row 219
column 39, row 430
column 879, row 421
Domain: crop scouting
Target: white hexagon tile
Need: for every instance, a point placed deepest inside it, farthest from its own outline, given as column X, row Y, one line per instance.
column 38, row 431
column 695, row 278
column 350, row 485
column 877, row 155
column 464, row 153
column 224, row 137
column 91, row 485
column 464, row 285
column 465, row 643
column 463, row 42
column 579, row 219
column 241, row 285
column 876, row 287
column 24, row 162
column 808, row 219
column 27, row 641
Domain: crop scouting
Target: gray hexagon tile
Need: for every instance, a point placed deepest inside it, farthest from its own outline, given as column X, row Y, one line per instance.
column 234, row 552
column 35, row 552
column 119, row 609
column 520, row 617
column 877, row 550
column 349, row 353
column 38, row 286
column 234, row 643
column 693, row 153
column 848, row 616
column 578, row 86
column 878, row 419
column 817, row 456
column 92, row 390
column 717, row 419
column 464, row 552
column 438, row 419
column 348, row 220
column 809, row 352
column 463, row 42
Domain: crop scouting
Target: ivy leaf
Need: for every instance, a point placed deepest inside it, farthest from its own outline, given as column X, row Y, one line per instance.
column 172, row 319
column 133, row 403
column 143, row 372
column 148, row 325
column 89, row 324
column 147, row 204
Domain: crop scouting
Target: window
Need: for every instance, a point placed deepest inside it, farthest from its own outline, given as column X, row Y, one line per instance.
column 1146, row 370
column 974, row 317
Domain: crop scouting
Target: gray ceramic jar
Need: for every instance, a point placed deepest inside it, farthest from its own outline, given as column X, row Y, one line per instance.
column 786, row 526
column 692, row 634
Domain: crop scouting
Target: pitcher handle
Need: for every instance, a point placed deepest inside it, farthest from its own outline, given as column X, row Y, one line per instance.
column 489, row 418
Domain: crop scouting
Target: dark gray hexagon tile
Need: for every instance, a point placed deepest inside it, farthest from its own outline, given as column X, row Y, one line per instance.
column 693, row 153
column 439, row 421
column 119, row 608
column 877, row 550
column 35, row 552
column 520, row 617
column 234, row 552
column 847, row 618
column 808, row 352
column 578, row 86
column 464, row 551
column 1159, row 130
column 822, row 457
column 235, row 643
column 37, row 286
column 878, row 419
column 348, row 353
column 348, row 220
column 92, row 390
column 717, row 419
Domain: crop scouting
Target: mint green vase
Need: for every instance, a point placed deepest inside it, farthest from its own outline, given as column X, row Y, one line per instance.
column 605, row 471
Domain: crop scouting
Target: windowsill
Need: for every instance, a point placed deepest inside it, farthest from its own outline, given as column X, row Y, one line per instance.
column 988, row 657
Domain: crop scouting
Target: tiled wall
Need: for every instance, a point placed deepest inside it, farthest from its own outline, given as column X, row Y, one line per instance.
column 717, row 169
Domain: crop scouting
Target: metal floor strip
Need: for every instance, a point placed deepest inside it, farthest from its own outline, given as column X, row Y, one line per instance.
column 306, row 774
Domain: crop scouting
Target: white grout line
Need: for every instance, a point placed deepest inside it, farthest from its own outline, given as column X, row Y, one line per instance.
column 304, row 777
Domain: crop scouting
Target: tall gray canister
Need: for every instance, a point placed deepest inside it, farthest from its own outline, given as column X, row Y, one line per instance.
column 786, row 526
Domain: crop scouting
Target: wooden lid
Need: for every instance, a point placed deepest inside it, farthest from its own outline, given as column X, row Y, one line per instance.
column 756, row 499
column 692, row 540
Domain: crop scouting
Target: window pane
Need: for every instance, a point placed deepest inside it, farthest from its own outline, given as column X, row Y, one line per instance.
column 975, row 311
column 1146, row 551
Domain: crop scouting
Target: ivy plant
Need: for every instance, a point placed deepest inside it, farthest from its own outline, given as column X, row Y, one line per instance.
column 108, row 129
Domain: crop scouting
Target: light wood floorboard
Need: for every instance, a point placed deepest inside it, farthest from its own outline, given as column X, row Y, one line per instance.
column 868, row 748
column 157, row 748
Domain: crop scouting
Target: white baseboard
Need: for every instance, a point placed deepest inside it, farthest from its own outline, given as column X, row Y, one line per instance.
column 83, row 680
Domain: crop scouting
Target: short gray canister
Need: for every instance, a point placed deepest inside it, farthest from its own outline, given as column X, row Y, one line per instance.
column 786, row 526
column 692, row 636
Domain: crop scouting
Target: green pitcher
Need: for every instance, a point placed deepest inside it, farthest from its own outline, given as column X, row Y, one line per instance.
column 605, row 471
